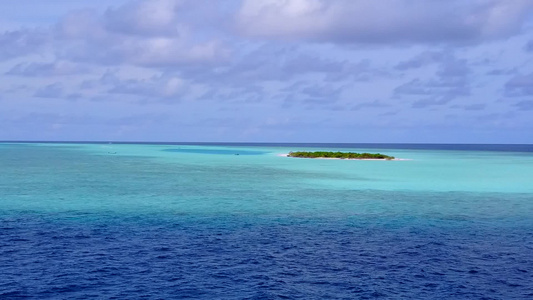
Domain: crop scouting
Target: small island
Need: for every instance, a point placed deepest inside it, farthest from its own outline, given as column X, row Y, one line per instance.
column 339, row 155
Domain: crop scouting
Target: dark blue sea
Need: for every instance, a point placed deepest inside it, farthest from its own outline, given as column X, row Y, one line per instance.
column 243, row 221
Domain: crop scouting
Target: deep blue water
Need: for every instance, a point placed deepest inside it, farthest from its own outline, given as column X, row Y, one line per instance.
column 142, row 222
column 242, row 258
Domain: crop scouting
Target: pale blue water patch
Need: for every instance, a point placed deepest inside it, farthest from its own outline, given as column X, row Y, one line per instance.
column 430, row 171
column 457, row 170
column 151, row 177
column 131, row 221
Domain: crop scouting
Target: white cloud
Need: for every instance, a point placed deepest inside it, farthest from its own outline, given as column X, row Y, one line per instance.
column 21, row 42
column 160, row 86
column 520, row 85
column 154, row 17
column 282, row 17
column 143, row 33
column 367, row 21
column 36, row 69
column 54, row 90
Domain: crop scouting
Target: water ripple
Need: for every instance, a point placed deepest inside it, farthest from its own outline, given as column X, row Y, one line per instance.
column 328, row 259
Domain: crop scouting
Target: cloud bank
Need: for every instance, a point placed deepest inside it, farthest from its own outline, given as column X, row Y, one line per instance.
column 375, row 71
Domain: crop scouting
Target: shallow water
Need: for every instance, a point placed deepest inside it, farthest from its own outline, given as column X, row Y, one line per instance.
column 190, row 221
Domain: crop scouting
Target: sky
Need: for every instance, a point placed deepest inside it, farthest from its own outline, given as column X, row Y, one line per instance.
column 336, row 71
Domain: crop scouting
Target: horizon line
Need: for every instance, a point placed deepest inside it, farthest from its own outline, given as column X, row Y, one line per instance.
column 197, row 142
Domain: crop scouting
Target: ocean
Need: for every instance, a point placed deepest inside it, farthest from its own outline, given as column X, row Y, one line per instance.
column 241, row 221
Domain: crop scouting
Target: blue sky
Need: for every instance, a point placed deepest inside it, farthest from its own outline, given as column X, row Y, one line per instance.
column 267, row 71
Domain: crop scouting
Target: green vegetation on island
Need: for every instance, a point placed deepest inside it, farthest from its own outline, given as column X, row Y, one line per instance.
column 341, row 155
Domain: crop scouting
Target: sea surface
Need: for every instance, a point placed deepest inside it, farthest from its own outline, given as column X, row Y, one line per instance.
column 239, row 221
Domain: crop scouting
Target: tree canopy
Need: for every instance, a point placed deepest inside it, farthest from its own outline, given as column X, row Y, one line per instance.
column 342, row 155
